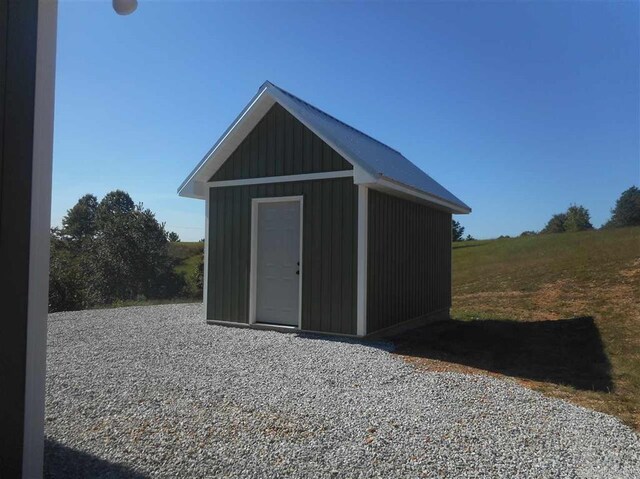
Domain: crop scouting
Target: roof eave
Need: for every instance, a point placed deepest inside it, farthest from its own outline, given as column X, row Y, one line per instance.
column 183, row 189
column 194, row 185
column 385, row 183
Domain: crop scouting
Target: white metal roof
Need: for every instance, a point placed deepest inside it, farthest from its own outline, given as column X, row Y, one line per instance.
column 374, row 162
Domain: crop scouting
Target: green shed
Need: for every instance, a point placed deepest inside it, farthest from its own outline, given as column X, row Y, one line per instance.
column 312, row 225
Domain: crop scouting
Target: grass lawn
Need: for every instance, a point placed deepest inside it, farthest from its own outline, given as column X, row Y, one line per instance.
column 561, row 313
column 187, row 254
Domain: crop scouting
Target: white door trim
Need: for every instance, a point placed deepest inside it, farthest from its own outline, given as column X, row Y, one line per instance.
column 363, row 232
column 253, row 269
column 262, row 180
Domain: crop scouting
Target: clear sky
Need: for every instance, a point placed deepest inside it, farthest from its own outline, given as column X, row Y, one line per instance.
column 518, row 108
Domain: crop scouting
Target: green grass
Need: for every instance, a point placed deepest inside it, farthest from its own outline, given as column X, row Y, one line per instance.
column 531, row 261
column 187, row 257
column 185, row 250
column 561, row 313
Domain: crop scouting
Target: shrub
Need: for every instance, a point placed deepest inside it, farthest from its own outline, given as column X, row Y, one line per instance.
column 197, row 278
column 555, row 224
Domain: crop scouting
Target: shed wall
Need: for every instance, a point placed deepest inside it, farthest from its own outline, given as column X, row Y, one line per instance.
column 409, row 261
column 280, row 145
column 328, row 252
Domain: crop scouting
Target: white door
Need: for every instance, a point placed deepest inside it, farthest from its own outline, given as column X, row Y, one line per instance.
column 277, row 262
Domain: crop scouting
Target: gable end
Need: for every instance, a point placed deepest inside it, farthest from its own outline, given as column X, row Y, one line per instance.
column 280, row 145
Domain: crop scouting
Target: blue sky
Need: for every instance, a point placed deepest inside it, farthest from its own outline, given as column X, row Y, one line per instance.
column 518, row 108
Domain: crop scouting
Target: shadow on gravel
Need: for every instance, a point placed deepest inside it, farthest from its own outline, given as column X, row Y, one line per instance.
column 63, row 462
column 567, row 351
column 376, row 344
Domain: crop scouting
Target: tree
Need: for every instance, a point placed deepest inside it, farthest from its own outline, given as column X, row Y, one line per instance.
column 627, row 210
column 578, row 219
column 457, row 230
column 469, row 238
column 124, row 256
column 68, row 278
column 80, row 221
column 555, row 224
column 173, row 237
column 114, row 206
column 528, row 233
column 130, row 252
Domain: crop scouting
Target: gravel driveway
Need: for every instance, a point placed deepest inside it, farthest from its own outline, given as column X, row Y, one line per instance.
column 153, row 391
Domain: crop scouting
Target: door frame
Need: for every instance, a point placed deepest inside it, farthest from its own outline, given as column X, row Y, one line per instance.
column 253, row 269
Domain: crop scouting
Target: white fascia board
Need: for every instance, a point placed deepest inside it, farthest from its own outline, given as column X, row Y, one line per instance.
column 227, row 143
column 386, row 185
column 193, row 189
column 363, row 177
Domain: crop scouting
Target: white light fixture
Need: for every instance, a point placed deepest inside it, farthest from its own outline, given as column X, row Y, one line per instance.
column 124, row 7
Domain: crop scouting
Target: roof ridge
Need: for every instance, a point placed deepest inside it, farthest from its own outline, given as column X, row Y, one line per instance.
column 330, row 116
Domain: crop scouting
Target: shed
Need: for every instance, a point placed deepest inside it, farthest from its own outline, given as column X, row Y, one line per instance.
column 312, row 225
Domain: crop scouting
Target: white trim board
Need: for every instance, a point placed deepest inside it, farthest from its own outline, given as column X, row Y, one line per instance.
column 245, row 114
column 282, row 179
column 397, row 189
column 205, row 272
column 253, row 268
column 362, row 259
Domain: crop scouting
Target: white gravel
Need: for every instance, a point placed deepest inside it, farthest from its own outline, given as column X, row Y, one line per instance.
column 153, row 391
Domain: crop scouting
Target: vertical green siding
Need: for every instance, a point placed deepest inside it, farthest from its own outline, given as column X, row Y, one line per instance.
column 328, row 252
column 409, row 261
column 280, row 145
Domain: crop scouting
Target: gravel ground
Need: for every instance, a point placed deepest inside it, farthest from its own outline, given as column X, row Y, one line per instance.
column 153, row 391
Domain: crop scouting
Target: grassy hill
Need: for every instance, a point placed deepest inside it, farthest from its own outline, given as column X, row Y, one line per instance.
column 187, row 256
column 559, row 312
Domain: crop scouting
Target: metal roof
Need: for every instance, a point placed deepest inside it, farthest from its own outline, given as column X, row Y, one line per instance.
column 367, row 152
column 378, row 160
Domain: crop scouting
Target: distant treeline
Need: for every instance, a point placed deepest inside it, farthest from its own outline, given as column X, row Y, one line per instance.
column 626, row 212
column 112, row 251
